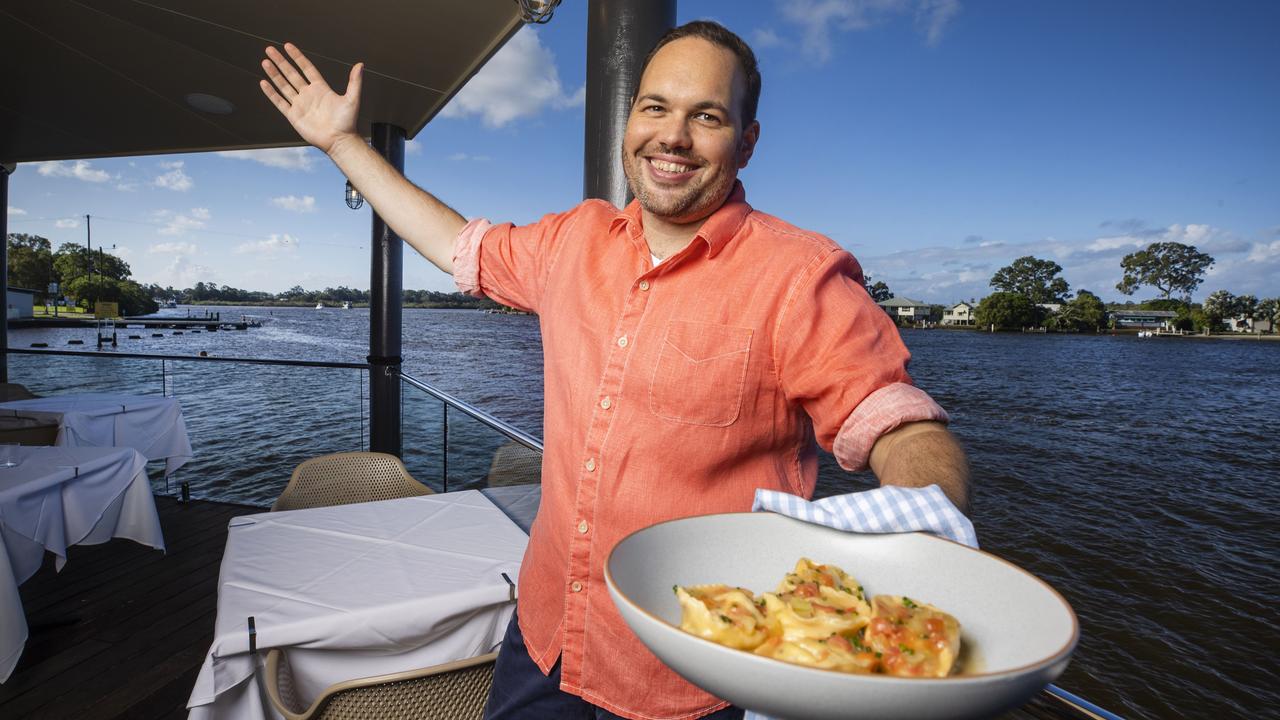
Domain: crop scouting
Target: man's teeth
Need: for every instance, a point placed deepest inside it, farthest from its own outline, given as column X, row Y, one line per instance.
column 670, row 166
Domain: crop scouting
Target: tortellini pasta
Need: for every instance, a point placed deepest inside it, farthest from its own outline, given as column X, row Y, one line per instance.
column 819, row 616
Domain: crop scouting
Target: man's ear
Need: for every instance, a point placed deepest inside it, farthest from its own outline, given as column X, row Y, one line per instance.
column 747, row 145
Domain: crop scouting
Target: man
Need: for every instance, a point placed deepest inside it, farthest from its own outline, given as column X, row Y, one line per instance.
column 693, row 347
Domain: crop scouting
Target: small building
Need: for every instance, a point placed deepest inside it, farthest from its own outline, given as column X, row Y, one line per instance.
column 959, row 314
column 21, row 303
column 1053, row 308
column 1146, row 319
column 902, row 308
column 1241, row 323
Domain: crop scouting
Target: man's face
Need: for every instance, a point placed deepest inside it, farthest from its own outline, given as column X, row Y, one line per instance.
column 685, row 142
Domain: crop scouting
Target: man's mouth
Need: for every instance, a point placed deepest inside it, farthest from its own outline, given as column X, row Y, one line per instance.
column 670, row 169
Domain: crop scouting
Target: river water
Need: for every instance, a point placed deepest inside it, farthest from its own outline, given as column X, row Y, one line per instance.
column 1139, row 477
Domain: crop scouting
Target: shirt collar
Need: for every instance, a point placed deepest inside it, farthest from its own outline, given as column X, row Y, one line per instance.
column 717, row 230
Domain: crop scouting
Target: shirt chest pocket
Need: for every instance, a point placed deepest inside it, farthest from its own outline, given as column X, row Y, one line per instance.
column 700, row 373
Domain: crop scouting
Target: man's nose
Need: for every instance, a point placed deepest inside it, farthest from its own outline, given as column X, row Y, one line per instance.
column 674, row 133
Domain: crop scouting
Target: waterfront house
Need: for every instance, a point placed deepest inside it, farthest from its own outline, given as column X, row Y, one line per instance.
column 1144, row 319
column 905, row 309
column 959, row 314
column 21, row 303
column 1240, row 323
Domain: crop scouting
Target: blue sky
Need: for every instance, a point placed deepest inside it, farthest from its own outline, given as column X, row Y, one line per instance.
column 937, row 140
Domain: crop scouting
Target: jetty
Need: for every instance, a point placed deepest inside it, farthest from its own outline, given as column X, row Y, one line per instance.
column 148, row 322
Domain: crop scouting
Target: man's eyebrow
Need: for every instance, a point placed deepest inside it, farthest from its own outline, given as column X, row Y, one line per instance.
column 704, row 105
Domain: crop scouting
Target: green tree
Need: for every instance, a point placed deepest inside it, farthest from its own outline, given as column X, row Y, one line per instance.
column 1218, row 306
column 71, row 261
column 1269, row 310
column 1247, row 306
column 1167, row 266
column 1038, row 280
column 879, row 291
column 1084, row 313
column 1006, row 311
column 30, row 262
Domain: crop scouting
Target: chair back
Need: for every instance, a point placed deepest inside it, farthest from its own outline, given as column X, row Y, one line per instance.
column 15, row 391
column 345, row 478
column 451, row 691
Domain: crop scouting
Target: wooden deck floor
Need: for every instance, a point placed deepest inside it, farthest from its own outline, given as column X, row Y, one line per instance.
column 122, row 630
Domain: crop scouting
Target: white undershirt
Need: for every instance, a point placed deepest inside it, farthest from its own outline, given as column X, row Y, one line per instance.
column 656, row 260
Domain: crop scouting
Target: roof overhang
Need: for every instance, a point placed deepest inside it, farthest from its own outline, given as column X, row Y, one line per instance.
column 108, row 78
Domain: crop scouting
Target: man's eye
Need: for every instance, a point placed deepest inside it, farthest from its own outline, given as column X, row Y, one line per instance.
column 708, row 117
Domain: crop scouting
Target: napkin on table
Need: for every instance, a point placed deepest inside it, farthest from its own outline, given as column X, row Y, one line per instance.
column 885, row 509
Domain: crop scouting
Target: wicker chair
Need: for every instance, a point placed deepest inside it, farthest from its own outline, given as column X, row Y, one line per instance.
column 350, row 477
column 452, row 691
column 515, row 464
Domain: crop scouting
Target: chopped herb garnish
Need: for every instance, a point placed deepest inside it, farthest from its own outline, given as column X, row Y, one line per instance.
column 675, row 589
column 726, row 619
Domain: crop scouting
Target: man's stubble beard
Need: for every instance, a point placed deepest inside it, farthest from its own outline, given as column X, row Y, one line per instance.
column 696, row 202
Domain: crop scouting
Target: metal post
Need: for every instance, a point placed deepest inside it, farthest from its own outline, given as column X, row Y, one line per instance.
column 619, row 35
column 385, row 297
column 444, row 472
column 4, row 272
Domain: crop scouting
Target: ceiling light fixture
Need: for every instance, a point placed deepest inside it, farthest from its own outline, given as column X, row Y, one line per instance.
column 354, row 199
column 211, row 104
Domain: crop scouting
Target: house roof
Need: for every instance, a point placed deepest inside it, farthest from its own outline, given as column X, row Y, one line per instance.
column 953, row 307
column 1152, row 314
column 901, row 302
column 103, row 78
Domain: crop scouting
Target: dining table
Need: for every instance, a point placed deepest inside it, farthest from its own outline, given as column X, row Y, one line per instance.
column 152, row 425
column 353, row 591
column 55, row 497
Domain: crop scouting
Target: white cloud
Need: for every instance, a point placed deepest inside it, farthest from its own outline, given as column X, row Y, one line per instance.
column 173, row 248
column 182, row 273
column 304, row 204
column 461, row 156
column 412, row 147
column 15, row 211
column 817, row 19
column 273, row 246
column 297, row 158
column 65, row 223
column 181, row 223
column 765, row 38
column 78, row 169
column 520, row 81
column 176, row 179
column 127, row 186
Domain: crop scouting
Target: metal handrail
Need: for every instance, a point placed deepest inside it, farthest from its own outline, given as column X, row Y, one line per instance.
column 510, row 431
column 193, row 358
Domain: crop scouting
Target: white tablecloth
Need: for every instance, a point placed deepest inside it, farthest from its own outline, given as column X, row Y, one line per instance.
column 152, row 425
column 357, row 590
column 62, row 496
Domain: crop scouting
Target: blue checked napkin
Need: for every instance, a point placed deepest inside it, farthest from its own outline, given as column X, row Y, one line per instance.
column 886, row 509
column 883, row 510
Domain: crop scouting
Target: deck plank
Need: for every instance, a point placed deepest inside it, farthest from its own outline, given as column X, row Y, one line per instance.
column 121, row 632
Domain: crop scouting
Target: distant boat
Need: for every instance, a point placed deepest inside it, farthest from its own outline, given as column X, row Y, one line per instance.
column 319, row 306
column 170, row 304
column 346, row 304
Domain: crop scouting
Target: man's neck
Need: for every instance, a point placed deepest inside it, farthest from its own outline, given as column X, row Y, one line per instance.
column 666, row 238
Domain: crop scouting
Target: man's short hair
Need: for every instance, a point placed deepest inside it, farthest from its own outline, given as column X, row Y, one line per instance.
column 717, row 34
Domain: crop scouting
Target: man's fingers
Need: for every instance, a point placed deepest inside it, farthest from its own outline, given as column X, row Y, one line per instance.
column 308, row 70
column 281, row 104
column 281, row 84
column 354, row 81
column 287, row 69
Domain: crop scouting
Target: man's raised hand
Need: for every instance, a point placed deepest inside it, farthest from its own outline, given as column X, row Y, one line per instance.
column 321, row 116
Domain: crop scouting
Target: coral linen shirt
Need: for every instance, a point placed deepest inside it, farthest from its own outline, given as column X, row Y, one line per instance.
column 672, row 391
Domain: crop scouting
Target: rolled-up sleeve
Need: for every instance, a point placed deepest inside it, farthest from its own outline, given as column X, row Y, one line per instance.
column 841, row 357
column 466, row 257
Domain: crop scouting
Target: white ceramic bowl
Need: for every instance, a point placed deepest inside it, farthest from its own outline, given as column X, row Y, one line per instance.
column 1017, row 633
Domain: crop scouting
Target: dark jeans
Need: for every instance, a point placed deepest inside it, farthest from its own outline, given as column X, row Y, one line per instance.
column 521, row 692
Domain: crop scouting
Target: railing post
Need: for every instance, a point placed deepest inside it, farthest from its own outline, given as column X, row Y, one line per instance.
column 385, row 297
column 619, row 35
column 444, row 472
column 4, row 271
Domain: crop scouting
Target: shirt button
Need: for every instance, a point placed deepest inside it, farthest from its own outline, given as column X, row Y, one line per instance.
column 622, row 341
column 582, row 526
column 576, row 586
column 606, row 403
column 644, row 284
column 591, row 464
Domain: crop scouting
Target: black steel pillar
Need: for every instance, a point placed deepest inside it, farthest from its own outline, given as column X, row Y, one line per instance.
column 386, row 293
column 619, row 35
column 4, row 272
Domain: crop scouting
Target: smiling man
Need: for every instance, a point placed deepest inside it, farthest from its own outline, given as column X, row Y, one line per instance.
column 694, row 348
